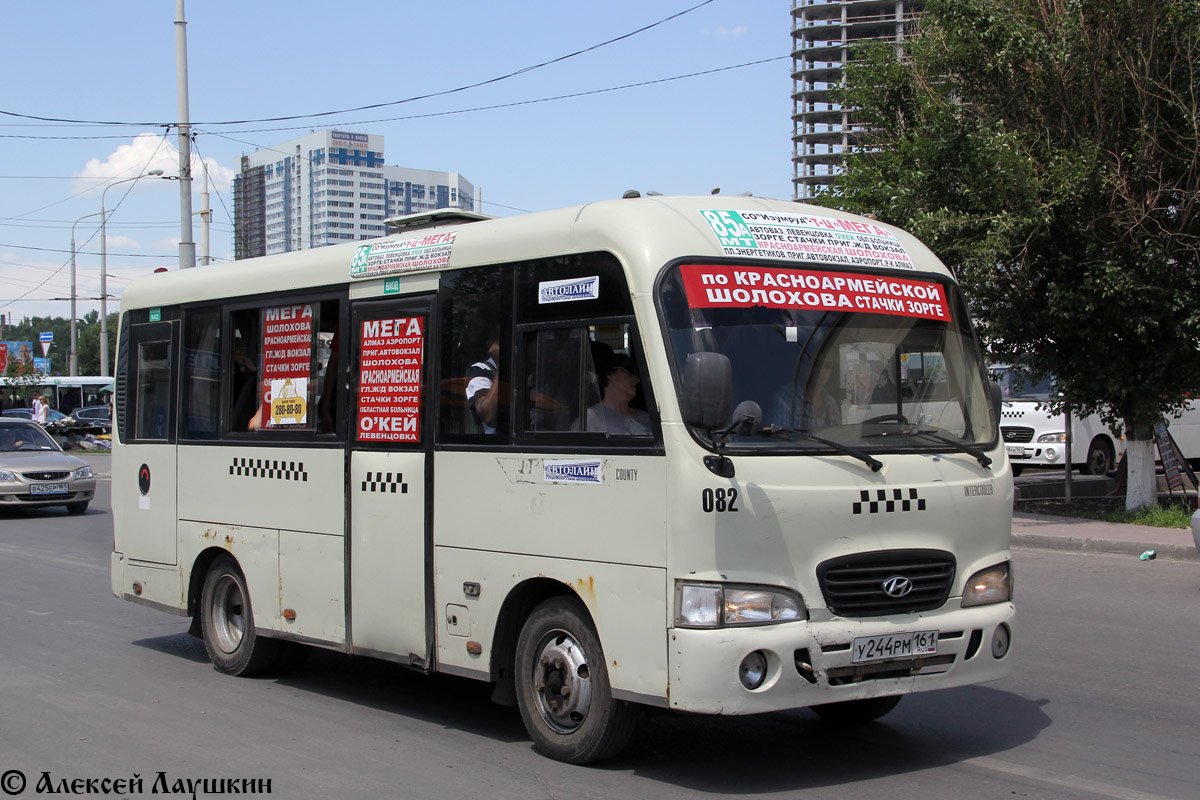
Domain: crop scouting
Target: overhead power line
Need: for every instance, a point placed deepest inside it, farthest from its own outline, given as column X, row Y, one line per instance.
column 370, row 106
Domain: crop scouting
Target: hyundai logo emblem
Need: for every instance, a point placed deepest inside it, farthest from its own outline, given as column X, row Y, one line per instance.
column 897, row 586
column 1010, row 434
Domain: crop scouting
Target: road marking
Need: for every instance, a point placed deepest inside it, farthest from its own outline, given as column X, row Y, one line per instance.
column 1058, row 779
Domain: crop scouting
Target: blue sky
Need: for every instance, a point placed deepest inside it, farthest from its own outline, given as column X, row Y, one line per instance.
column 261, row 59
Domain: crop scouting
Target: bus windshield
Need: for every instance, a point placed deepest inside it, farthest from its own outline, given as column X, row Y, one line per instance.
column 870, row 361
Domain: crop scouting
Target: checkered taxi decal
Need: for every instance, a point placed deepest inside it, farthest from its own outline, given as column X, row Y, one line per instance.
column 269, row 469
column 887, row 505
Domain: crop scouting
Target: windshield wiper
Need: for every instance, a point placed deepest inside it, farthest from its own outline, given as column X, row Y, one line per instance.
column 979, row 455
column 874, row 463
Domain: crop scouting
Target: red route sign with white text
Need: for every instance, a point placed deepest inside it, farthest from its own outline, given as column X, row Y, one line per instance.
column 725, row 286
column 389, row 380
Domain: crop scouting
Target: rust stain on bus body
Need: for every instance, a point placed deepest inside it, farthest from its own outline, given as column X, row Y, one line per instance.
column 587, row 586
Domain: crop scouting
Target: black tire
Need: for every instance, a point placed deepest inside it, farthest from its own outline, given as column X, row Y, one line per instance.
column 1100, row 458
column 856, row 712
column 227, row 620
column 562, row 686
column 77, row 508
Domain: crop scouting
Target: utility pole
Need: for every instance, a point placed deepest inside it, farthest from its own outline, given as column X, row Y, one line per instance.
column 205, row 214
column 187, row 247
column 73, row 353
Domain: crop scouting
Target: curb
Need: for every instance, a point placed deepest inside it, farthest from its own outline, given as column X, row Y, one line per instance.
column 1088, row 544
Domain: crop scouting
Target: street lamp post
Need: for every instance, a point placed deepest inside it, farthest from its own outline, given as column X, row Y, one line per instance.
column 73, row 355
column 104, row 271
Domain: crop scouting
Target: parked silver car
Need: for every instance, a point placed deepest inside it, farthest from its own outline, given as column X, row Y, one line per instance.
column 34, row 471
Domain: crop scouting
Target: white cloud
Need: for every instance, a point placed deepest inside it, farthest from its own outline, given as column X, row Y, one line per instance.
column 739, row 30
column 148, row 152
column 123, row 242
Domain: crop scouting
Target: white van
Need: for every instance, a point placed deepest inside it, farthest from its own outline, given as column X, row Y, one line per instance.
column 1034, row 437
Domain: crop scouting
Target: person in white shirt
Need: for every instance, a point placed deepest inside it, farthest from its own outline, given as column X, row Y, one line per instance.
column 42, row 411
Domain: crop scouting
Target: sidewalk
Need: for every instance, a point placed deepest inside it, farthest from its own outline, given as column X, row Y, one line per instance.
column 1092, row 536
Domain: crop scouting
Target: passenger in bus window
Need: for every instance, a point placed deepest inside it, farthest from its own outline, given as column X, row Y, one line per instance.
column 483, row 388
column 821, row 406
column 618, row 387
column 816, row 407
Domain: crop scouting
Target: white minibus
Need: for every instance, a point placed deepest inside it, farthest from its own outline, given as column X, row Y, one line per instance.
column 1034, row 437
column 723, row 455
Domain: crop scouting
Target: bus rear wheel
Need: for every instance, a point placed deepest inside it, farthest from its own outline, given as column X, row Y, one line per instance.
column 852, row 712
column 562, row 686
column 227, row 620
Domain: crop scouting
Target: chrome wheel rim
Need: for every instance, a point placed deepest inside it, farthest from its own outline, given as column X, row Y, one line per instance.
column 561, row 682
column 228, row 614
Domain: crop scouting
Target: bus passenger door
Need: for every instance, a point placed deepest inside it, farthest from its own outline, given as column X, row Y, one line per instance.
column 389, row 425
column 148, row 377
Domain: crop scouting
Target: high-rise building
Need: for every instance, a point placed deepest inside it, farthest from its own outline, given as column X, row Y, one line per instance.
column 824, row 34
column 331, row 187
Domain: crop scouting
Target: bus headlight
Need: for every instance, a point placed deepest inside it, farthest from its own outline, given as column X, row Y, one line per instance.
column 715, row 605
column 991, row 585
column 1052, row 438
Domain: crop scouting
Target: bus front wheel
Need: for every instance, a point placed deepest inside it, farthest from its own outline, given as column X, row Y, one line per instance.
column 563, row 691
column 228, row 623
column 1099, row 458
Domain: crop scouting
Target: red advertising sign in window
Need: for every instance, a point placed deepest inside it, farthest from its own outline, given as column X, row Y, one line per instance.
column 287, row 365
column 389, row 380
column 724, row 286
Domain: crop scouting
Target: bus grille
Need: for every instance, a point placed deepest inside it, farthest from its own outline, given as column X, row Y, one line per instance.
column 853, row 586
column 1015, row 435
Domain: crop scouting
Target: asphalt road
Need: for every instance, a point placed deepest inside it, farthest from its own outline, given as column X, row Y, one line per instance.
column 1104, row 704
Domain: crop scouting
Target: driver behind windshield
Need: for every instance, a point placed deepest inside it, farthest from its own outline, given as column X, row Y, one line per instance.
column 18, row 437
column 817, row 406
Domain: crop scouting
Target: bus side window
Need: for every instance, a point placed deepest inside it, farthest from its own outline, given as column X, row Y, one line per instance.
column 245, row 380
column 202, row 373
column 476, row 374
column 152, row 396
column 585, row 379
column 560, row 379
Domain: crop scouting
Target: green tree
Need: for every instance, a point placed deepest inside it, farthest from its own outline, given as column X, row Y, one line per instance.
column 1049, row 151
column 22, row 378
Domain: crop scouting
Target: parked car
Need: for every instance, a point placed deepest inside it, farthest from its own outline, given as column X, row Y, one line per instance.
column 34, row 471
column 92, row 415
column 27, row 413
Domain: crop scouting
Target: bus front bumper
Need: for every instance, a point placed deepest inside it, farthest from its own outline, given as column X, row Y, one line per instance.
column 810, row 663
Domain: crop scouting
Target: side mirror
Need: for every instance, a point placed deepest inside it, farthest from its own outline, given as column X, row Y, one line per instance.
column 997, row 395
column 707, row 400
